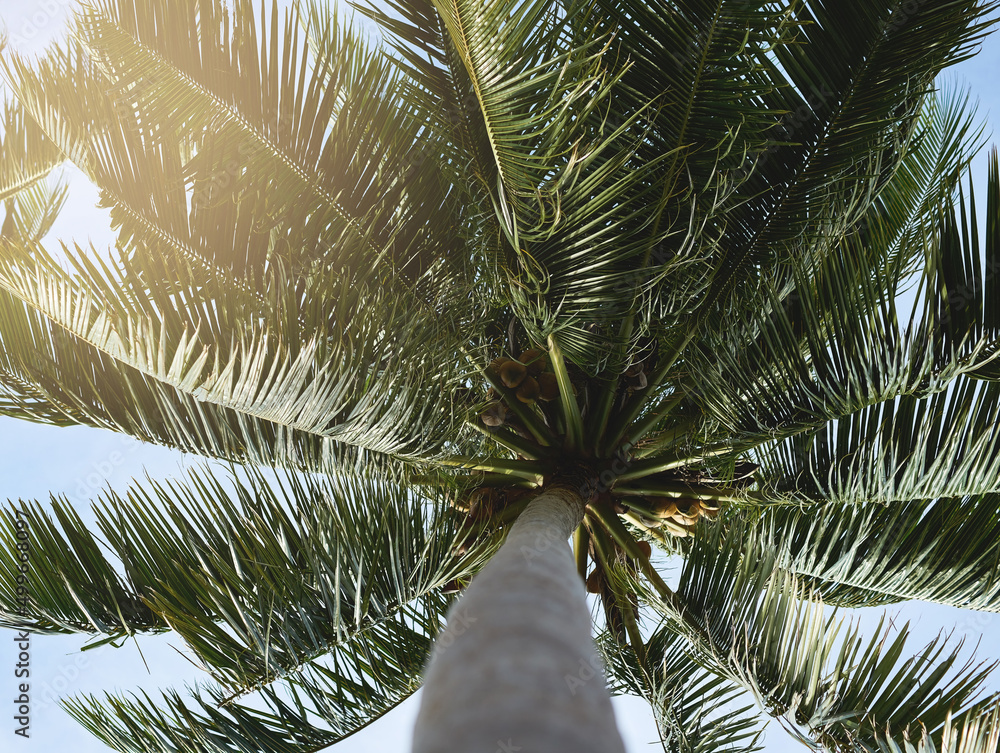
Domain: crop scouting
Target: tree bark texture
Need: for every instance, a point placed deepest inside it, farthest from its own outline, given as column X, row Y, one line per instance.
column 516, row 668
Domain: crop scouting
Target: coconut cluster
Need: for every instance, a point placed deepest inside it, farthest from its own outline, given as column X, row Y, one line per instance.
column 485, row 506
column 484, row 502
column 528, row 379
column 677, row 516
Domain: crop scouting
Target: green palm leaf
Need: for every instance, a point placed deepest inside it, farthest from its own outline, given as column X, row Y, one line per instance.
column 277, row 587
column 308, row 710
column 755, row 625
column 944, row 551
column 694, row 708
column 857, row 83
column 978, row 733
column 780, row 367
column 158, row 251
column 887, row 414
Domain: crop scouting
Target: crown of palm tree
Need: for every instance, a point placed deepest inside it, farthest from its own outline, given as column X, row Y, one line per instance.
column 651, row 250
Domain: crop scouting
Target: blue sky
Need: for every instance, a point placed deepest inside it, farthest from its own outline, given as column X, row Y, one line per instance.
column 36, row 460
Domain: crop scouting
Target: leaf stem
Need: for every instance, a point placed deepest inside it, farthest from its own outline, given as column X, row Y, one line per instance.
column 526, row 469
column 570, row 409
column 667, row 438
column 508, row 439
column 652, row 466
column 680, row 490
column 581, row 547
column 598, row 420
column 632, row 409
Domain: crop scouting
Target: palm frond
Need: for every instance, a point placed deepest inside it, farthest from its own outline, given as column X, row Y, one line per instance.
column 436, row 85
column 979, row 733
column 706, row 60
column 851, row 82
column 777, row 374
column 319, row 598
column 755, row 624
column 163, row 240
column 870, row 411
column 78, row 591
column 695, row 710
column 944, row 551
column 31, row 214
column 115, row 396
column 526, row 97
column 847, row 596
column 299, row 137
column 770, row 373
column 27, row 155
column 945, row 445
column 257, row 576
column 315, row 382
column 308, row 710
column 286, row 583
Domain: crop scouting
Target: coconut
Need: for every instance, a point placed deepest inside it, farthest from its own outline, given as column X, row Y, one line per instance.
column 528, row 391
column 548, row 386
column 534, row 359
column 513, row 373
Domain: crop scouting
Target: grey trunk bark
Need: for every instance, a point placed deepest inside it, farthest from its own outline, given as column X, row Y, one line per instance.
column 516, row 668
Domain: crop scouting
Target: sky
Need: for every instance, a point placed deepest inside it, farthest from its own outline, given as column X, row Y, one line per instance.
column 77, row 462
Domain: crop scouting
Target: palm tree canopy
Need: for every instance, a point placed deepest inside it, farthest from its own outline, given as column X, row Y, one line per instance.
column 654, row 250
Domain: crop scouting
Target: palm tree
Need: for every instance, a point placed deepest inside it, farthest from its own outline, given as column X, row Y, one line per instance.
column 623, row 271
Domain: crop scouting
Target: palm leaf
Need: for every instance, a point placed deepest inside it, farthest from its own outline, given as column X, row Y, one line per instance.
column 319, row 598
column 944, row 551
column 121, row 398
column 551, row 185
column 300, row 128
column 694, row 708
column 911, row 448
column 755, row 625
column 979, row 733
column 706, row 60
column 779, row 365
column 884, row 414
column 853, row 88
column 258, row 576
column 749, row 371
column 27, row 155
column 165, row 241
column 308, row 710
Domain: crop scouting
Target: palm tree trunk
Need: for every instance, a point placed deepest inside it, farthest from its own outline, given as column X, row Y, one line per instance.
column 516, row 668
